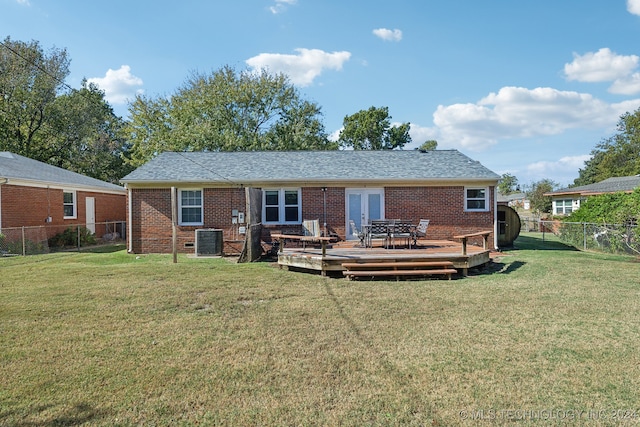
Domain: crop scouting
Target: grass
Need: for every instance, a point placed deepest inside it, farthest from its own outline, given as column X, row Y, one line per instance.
column 546, row 335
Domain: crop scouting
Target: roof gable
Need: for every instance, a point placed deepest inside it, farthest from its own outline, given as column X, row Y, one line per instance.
column 14, row 167
column 309, row 166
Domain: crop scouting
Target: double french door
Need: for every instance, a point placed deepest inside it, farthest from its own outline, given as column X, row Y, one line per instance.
column 363, row 205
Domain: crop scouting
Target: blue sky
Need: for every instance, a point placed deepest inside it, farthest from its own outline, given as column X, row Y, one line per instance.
column 525, row 87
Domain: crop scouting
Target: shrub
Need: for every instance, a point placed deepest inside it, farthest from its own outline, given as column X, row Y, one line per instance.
column 69, row 237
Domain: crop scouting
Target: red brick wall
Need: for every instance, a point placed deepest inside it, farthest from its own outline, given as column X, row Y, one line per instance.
column 443, row 206
column 151, row 230
column 31, row 206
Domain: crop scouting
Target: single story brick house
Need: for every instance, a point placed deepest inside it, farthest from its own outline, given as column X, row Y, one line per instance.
column 567, row 200
column 456, row 193
column 34, row 193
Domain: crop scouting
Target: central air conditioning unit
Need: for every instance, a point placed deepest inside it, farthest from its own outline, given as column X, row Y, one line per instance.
column 208, row 242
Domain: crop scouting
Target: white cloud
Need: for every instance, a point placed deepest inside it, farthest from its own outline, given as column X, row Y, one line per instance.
column 633, row 6
column 626, row 86
column 559, row 167
column 281, row 5
column 24, row 2
column 388, row 35
column 420, row 135
column 302, row 68
column 118, row 85
column 605, row 65
column 516, row 112
column 601, row 66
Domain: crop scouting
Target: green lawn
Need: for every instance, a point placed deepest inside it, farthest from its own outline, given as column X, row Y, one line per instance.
column 545, row 336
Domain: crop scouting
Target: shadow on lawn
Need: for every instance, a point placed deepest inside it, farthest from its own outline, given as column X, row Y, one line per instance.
column 79, row 414
column 539, row 243
column 104, row 249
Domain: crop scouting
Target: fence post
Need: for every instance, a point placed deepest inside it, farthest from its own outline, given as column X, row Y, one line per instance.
column 584, row 235
column 78, row 237
column 24, row 243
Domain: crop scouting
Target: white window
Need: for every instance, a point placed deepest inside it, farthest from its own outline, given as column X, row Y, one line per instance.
column 476, row 199
column 69, row 204
column 564, row 207
column 190, row 207
column 281, row 206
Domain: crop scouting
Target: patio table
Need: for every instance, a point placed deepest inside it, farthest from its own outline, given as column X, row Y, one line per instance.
column 388, row 230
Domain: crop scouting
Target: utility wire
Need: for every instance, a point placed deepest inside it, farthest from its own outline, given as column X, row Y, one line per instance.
column 51, row 76
column 33, row 63
column 183, row 154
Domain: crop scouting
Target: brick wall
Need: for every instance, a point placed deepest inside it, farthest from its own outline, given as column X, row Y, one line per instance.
column 443, row 206
column 31, row 206
column 151, row 230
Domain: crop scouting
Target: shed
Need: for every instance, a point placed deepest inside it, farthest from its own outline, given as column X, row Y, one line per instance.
column 508, row 226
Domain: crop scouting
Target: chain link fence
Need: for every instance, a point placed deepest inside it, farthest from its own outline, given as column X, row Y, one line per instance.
column 612, row 238
column 51, row 238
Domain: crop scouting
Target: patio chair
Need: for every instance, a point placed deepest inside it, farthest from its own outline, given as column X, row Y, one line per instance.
column 311, row 228
column 400, row 229
column 420, row 231
column 379, row 229
column 357, row 233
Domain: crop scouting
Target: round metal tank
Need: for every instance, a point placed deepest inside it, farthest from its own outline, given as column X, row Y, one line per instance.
column 508, row 226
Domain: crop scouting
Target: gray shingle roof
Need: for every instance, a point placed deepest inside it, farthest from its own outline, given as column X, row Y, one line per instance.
column 309, row 166
column 16, row 167
column 609, row 185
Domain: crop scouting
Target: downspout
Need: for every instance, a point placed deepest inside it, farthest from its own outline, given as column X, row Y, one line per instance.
column 495, row 217
column 2, row 181
column 129, row 221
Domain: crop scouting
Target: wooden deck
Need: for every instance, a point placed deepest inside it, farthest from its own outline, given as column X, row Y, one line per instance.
column 311, row 259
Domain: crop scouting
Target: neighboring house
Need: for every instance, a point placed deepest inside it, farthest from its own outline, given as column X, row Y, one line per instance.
column 514, row 200
column 567, row 200
column 33, row 193
column 456, row 193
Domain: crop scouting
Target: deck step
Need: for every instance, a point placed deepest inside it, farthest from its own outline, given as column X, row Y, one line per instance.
column 397, row 264
column 398, row 269
column 447, row 271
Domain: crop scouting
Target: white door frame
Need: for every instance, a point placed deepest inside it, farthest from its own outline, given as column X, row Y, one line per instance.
column 90, row 213
column 366, row 211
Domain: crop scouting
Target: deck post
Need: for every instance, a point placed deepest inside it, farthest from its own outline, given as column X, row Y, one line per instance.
column 464, row 245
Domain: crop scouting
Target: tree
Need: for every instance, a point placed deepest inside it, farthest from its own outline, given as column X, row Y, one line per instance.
column 371, row 130
column 44, row 119
column 30, row 80
column 539, row 202
column 611, row 208
column 226, row 111
column 85, row 135
column 618, row 155
column 508, row 184
column 429, row 145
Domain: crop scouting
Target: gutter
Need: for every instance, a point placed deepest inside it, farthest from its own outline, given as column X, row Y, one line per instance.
column 2, row 181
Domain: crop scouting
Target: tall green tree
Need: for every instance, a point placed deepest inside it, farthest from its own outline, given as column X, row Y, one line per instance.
column 42, row 118
column 618, row 155
column 508, row 184
column 86, row 136
column 371, row 130
column 30, row 81
column 539, row 202
column 226, row 110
